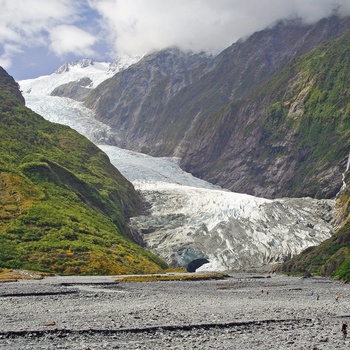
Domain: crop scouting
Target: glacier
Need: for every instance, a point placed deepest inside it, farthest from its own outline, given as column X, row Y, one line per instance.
column 187, row 218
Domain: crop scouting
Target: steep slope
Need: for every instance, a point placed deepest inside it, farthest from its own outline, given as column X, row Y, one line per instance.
column 290, row 138
column 211, row 110
column 63, row 206
column 239, row 70
column 331, row 257
column 132, row 100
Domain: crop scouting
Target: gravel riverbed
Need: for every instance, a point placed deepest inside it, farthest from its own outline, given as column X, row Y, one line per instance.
column 244, row 311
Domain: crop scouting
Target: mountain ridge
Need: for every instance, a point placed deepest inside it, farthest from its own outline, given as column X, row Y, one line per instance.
column 163, row 125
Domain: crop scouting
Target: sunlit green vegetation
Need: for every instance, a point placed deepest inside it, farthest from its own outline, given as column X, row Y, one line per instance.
column 63, row 206
column 317, row 85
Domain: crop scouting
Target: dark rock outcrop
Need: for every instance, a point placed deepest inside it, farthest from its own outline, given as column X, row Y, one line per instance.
column 76, row 90
column 132, row 100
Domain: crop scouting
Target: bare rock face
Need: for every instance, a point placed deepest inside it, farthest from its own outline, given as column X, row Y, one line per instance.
column 76, row 90
column 244, row 155
column 132, row 100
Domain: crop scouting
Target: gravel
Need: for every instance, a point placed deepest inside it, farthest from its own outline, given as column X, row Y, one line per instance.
column 241, row 312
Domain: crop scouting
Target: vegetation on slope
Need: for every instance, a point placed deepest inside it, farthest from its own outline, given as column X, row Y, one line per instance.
column 63, row 206
column 312, row 101
column 288, row 138
column 319, row 114
column 331, row 257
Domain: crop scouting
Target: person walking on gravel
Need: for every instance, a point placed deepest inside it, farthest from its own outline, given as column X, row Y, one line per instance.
column 344, row 329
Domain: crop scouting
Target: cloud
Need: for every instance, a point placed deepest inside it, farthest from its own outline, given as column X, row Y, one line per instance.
column 139, row 26
column 8, row 52
column 21, row 20
column 68, row 38
column 30, row 23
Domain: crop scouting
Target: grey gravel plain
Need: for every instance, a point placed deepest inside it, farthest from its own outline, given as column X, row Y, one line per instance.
column 244, row 311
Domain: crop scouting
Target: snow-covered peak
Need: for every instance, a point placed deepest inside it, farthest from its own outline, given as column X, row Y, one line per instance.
column 44, row 85
column 97, row 72
column 122, row 63
column 83, row 63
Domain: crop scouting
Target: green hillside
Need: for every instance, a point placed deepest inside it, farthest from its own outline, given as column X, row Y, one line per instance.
column 317, row 108
column 312, row 103
column 63, row 206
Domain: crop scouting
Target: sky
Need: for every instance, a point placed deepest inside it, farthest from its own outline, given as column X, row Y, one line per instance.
column 38, row 36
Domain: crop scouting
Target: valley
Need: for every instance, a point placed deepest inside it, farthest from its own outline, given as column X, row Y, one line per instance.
column 174, row 175
column 188, row 218
column 268, row 133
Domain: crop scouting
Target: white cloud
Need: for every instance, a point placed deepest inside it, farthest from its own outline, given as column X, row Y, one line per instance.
column 139, row 26
column 21, row 20
column 6, row 57
column 68, row 38
column 27, row 24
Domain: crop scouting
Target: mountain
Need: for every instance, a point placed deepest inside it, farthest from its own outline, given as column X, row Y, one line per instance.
column 63, row 206
column 131, row 101
column 74, row 80
column 289, row 138
column 186, row 218
column 268, row 116
column 87, row 74
column 160, row 107
column 82, row 73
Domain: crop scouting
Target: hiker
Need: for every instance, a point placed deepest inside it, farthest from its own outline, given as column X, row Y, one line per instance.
column 337, row 297
column 317, row 297
column 344, row 329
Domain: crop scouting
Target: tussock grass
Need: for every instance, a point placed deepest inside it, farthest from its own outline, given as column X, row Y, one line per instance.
column 8, row 275
column 172, row 277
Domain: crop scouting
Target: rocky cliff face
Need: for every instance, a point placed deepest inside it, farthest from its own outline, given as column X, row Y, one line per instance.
column 212, row 114
column 239, row 71
column 76, row 90
column 132, row 100
column 288, row 138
